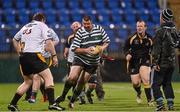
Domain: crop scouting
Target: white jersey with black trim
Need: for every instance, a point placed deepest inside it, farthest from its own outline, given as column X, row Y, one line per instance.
column 32, row 36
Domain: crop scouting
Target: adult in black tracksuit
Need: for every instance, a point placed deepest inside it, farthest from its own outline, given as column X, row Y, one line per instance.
column 164, row 60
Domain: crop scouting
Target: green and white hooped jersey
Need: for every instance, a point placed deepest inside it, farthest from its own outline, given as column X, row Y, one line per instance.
column 85, row 39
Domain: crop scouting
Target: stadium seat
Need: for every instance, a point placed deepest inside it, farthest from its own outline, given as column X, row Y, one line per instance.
column 23, row 15
column 2, row 34
column 123, row 34
column 10, row 15
column 51, row 15
column 87, row 5
column 20, row 4
column 113, row 5
column 60, row 5
column 33, row 4
column 7, row 4
column 47, row 4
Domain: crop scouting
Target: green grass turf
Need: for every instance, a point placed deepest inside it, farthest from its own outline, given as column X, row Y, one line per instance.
column 118, row 97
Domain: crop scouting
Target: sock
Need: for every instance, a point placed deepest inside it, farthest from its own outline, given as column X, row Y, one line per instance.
column 42, row 88
column 67, row 86
column 15, row 99
column 33, row 95
column 170, row 102
column 159, row 102
column 50, row 95
column 137, row 89
column 28, row 93
column 77, row 91
column 147, row 90
column 89, row 91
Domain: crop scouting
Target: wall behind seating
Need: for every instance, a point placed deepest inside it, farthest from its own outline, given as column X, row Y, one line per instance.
column 113, row 71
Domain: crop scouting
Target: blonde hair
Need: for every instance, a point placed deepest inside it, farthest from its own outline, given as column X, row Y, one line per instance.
column 75, row 25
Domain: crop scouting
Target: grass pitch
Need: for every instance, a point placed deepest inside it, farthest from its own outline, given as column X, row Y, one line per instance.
column 118, row 97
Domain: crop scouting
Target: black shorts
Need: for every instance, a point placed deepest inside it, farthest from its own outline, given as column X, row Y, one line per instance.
column 135, row 64
column 32, row 63
column 93, row 79
column 91, row 69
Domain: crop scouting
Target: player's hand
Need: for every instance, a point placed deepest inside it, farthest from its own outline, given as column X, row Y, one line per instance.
column 95, row 50
column 128, row 57
column 55, row 61
column 88, row 50
column 157, row 68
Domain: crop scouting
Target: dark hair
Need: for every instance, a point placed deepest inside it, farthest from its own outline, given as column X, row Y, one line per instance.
column 87, row 18
column 142, row 21
column 39, row 17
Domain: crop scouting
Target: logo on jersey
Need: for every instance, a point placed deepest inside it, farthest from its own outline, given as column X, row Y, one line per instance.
column 49, row 33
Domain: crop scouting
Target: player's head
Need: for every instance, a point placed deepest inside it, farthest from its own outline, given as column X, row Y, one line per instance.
column 39, row 17
column 75, row 26
column 87, row 22
column 166, row 16
column 141, row 27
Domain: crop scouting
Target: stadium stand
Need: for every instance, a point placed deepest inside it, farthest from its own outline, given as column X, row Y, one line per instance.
column 16, row 13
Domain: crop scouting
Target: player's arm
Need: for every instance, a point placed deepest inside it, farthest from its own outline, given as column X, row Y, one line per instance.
column 50, row 47
column 47, row 35
column 157, row 49
column 77, row 43
column 17, row 46
column 105, row 40
column 66, row 48
column 55, row 38
column 17, row 43
column 127, row 49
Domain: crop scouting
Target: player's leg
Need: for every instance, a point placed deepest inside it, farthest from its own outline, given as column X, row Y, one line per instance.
column 168, row 89
column 19, row 93
column 28, row 94
column 91, row 86
column 99, row 85
column 136, row 82
column 43, row 91
column 145, row 77
column 156, row 86
column 49, row 85
column 83, row 78
column 70, row 82
column 35, row 87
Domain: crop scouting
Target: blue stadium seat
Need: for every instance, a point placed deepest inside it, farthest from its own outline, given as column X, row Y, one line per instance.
column 33, row 4
column 87, row 4
column 7, row 4
column 10, row 15
column 74, row 5
column 152, row 4
column 51, row 15
column 60, row 5
column 20, row 4
column 105, row 17
column 123, row 34
column 23, row 15
column 113, row 4
column 47, row 4
column 64, row 16
column 117, row 17
column 139, row 4
column 76, row 15
column 2, row 33
column 144, row 15
column 155, row 15
column 99, row 5
column 5, row 47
